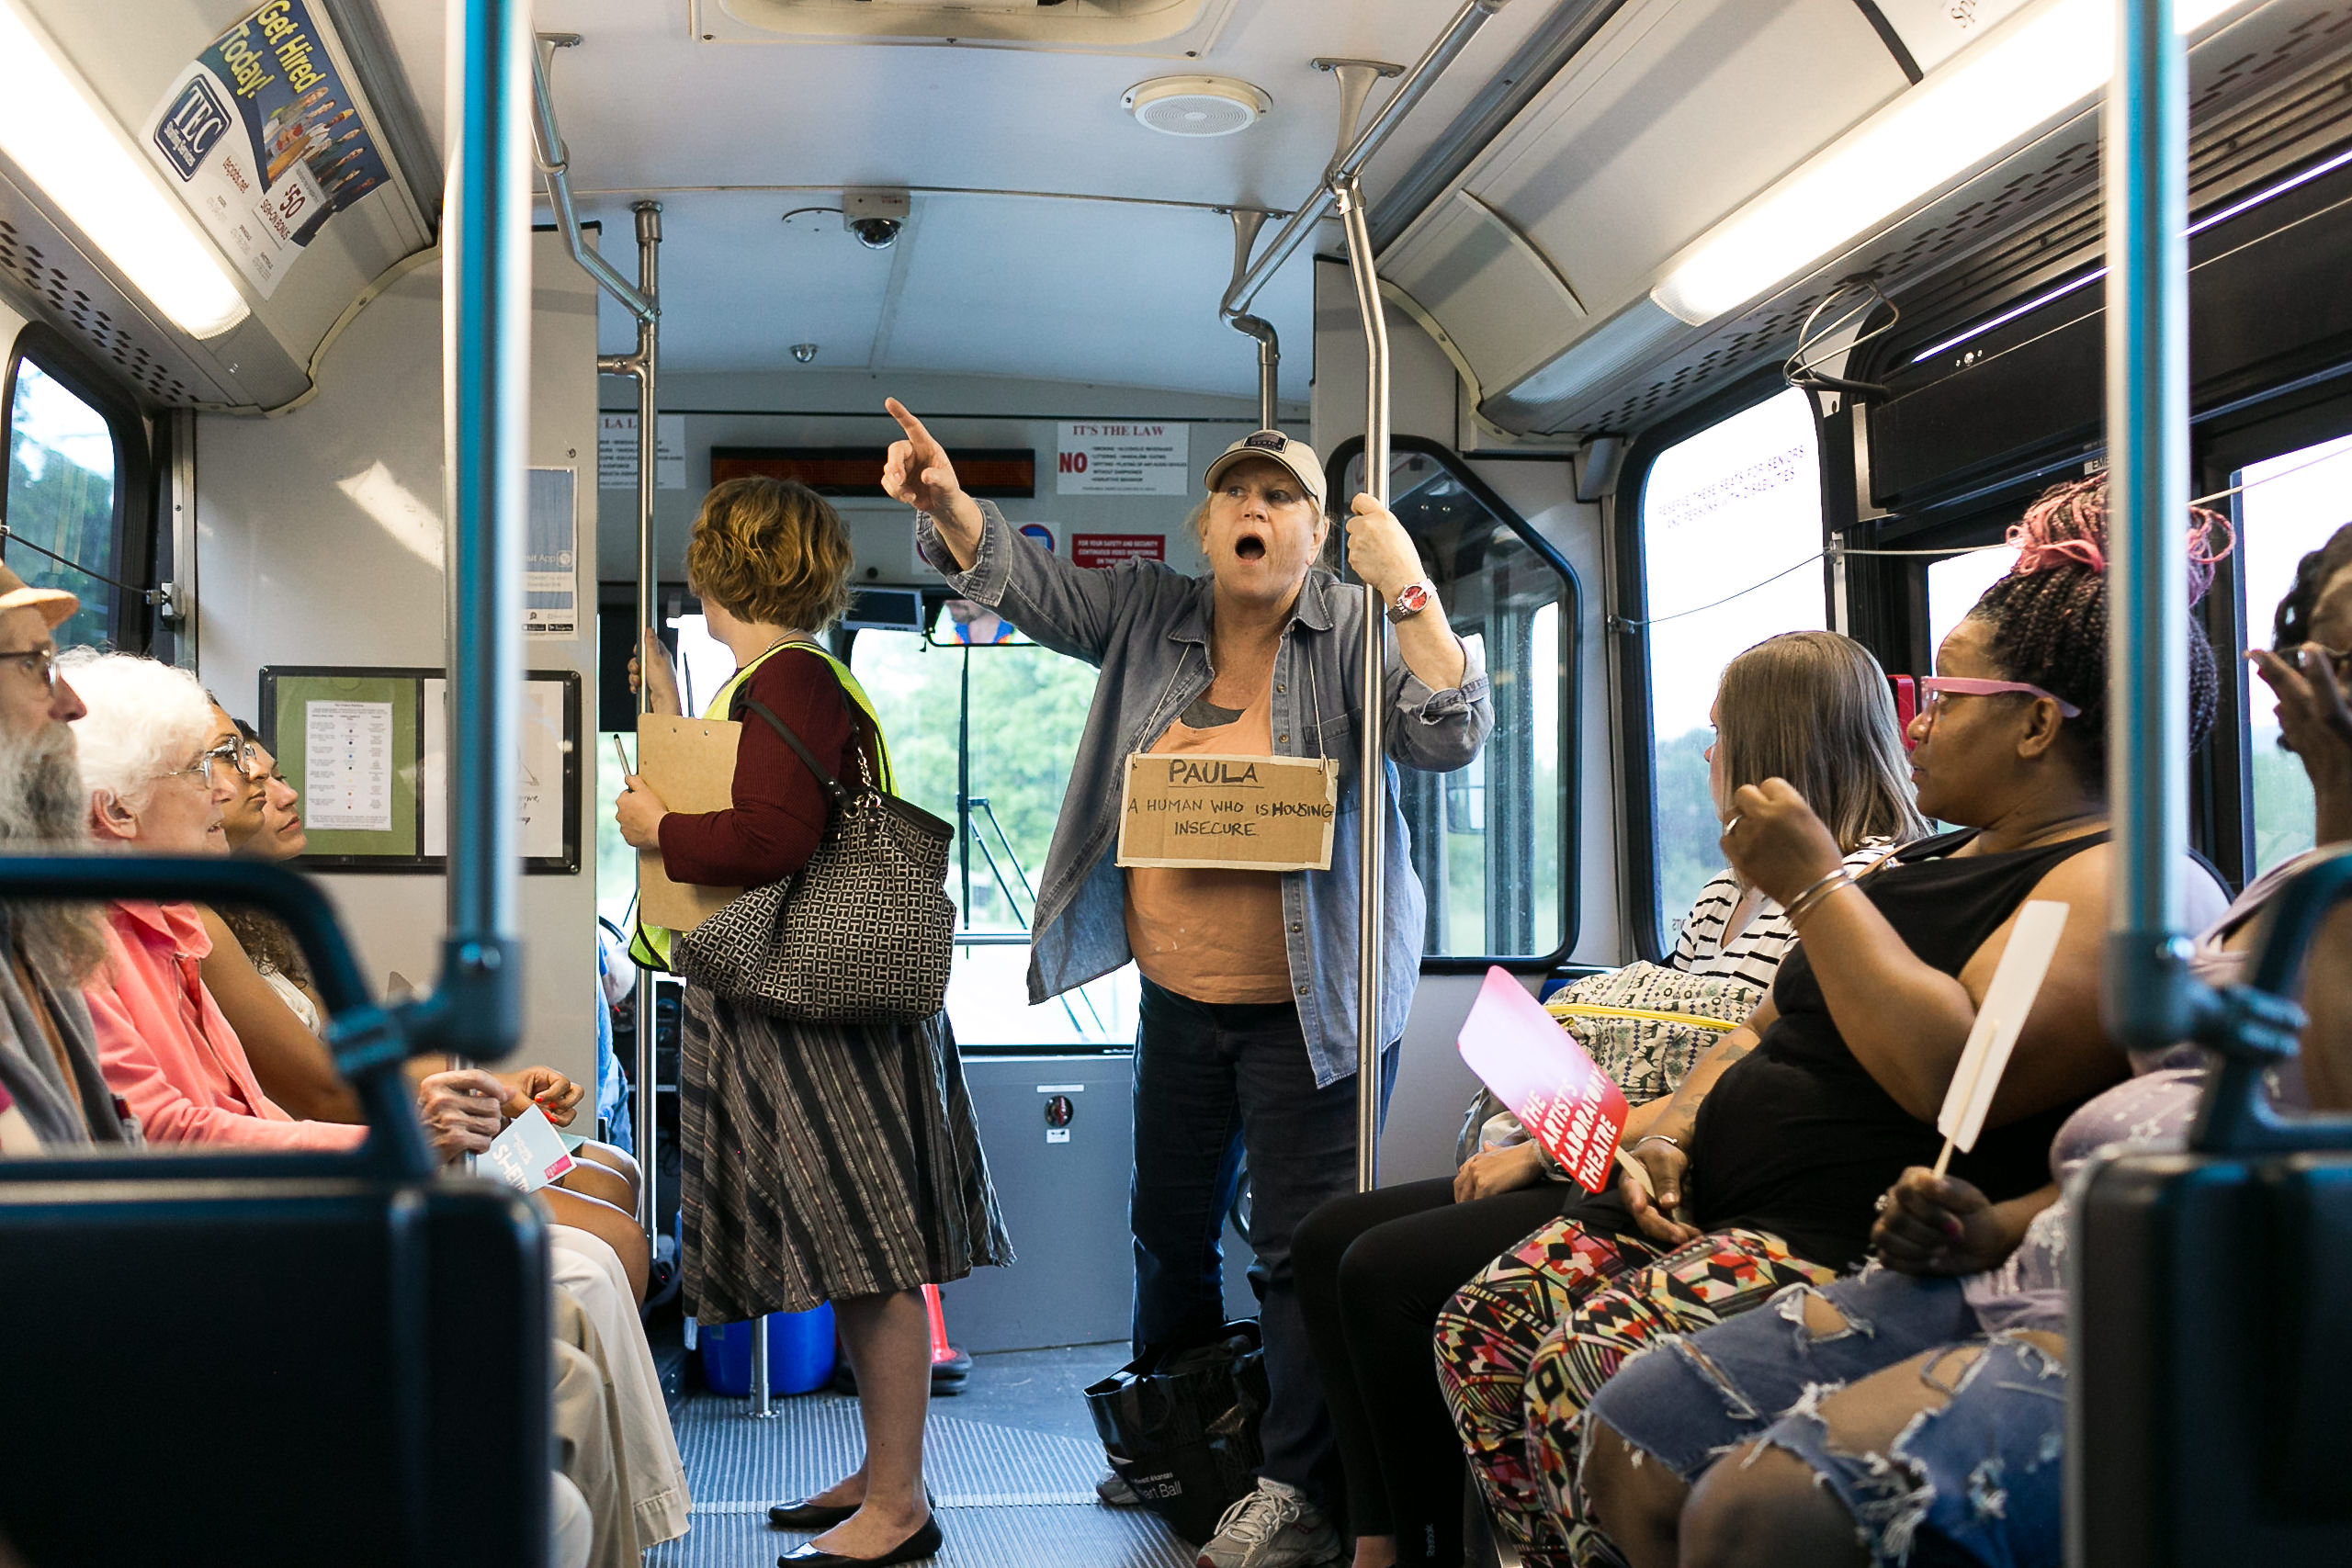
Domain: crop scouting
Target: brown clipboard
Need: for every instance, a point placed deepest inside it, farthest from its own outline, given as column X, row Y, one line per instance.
column 690, row 763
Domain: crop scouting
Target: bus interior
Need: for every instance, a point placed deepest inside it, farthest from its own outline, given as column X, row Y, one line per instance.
column 1663, row 326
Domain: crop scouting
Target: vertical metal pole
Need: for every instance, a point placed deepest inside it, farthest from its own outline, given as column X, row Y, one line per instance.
column 964, row 781
column 646, row 368
column 1247, row 222
column 1270, row 363
column 762, row 1400
column 2147, row 1000
column 1373, row 764
column 486, row 327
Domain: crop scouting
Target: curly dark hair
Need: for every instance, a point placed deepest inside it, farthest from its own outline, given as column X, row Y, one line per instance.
column 2292, row 627
column 2049, row 615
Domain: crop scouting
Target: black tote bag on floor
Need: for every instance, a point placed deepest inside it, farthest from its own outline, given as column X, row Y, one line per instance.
column 1182, row 1428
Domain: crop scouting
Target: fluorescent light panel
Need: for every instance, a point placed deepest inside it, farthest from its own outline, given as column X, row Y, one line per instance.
column 1981, row 99
column 2246, row 204
column 52, row 129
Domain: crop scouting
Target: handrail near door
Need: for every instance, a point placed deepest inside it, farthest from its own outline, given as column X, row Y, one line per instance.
column 1340, row 189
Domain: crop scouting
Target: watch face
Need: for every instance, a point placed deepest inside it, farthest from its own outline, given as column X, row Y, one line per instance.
column 1413, row 598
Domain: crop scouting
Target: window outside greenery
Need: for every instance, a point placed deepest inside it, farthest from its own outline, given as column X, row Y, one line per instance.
column 61, row 497
column 1730, row 524
column 2290, row 506
column 1488, row 839
column 1027, row 709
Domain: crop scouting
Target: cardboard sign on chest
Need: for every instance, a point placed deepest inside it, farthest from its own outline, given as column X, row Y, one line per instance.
column 1209, row 795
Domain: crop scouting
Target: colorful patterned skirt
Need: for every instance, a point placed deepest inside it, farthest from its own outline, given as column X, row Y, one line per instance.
column 1522, row 1348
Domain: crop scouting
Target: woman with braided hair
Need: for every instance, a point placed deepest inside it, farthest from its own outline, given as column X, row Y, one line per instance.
column 1780, row 1139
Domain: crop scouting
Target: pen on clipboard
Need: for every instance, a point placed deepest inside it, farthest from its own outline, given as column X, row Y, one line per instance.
column 621, row 752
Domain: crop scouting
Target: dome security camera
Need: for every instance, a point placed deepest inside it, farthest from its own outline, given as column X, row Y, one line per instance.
column 874, row 216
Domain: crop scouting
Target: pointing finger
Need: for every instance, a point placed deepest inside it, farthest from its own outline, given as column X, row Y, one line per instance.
column 908, row 421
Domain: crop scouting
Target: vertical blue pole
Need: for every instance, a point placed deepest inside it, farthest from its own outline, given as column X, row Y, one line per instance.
column 486, row 359
column 2148, row 1001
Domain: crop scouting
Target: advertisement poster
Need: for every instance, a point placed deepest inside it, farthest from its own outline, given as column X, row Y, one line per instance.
column 551, row 557
column 263, row 140
column 1124, row 459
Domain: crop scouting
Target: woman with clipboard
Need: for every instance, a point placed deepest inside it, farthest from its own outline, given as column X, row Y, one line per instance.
column 822, row 1162
column 1248, row 1038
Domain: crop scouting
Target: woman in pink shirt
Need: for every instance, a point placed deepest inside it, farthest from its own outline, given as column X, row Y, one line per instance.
column 162, row 1041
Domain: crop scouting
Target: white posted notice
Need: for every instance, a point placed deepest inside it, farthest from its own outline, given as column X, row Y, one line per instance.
column 617, row 451
column 1124, row 459
column 347, row 767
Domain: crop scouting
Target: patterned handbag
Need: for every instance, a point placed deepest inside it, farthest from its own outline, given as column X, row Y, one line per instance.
column 861, row 935
column 1642, row 1025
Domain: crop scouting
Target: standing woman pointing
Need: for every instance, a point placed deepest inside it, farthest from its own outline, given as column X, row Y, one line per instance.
column 1247, row 1039
column 822, row 1162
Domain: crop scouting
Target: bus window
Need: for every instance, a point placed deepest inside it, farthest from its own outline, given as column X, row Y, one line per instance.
column 1488, row 839
column 1730, row 532
column 62, row 473
column 1954, row 584
column 1006, row 716
column 2290, row 505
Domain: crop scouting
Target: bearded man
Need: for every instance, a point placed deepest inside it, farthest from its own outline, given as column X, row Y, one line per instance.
column 51, row 1093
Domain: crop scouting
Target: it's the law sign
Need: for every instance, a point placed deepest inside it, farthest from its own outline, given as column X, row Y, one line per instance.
column 1123, row 460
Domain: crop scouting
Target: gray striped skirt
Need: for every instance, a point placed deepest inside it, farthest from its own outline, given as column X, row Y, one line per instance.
column 822, row 1162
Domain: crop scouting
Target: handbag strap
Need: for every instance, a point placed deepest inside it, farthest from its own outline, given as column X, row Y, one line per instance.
column 825, row 781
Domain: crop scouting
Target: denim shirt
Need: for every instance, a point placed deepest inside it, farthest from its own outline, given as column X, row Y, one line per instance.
column 1146, row 628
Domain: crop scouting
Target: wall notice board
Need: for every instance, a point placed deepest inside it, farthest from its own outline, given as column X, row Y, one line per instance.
column 368, row 750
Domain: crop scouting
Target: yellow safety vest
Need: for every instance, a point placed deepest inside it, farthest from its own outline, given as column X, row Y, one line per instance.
column 649, row 946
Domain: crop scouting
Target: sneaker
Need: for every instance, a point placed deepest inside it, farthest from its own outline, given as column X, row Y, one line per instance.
column 1114, row 1491
column 1275, row 1527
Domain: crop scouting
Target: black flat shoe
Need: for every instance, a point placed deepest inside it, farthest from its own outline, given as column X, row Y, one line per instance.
column 924, row 1542
column 802, row 1514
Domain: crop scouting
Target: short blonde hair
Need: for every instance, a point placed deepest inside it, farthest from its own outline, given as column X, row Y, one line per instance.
column 145, row 719
column 773, row 552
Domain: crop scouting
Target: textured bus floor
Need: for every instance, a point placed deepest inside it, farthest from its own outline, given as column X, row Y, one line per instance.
column 1009, row 1496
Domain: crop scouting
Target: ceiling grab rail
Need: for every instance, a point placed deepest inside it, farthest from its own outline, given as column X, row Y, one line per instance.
column 486, row 349
column 555, row 163
column 644, row 301
column 1247, row 222
column 1417, row 83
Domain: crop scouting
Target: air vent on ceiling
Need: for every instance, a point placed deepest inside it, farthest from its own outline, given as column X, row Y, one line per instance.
column 1196, row 106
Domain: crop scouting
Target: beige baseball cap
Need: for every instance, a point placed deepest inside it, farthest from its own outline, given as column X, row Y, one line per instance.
column 1273, row 447
column 54, row 604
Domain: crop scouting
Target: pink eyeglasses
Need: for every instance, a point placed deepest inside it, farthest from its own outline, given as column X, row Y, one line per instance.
column 1936, row 686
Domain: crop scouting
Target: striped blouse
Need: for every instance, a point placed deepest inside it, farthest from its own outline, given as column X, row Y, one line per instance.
column 1754, row 952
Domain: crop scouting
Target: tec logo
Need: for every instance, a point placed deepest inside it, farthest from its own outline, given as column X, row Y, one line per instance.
column 189, row 128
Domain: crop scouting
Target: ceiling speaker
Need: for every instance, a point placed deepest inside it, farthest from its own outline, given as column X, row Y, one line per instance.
column 1196, row 106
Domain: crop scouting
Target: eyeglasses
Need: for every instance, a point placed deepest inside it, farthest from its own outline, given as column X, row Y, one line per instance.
column 38, row 662
column 1935, row 688
column 236, row 754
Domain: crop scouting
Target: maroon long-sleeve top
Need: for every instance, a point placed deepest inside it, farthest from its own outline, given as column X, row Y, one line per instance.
column 780, row 811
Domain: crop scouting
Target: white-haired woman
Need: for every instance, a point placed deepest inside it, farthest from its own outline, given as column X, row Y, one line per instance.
column 146, row 745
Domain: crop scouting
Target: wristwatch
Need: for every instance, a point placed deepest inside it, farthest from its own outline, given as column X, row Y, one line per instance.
column 1411, row 600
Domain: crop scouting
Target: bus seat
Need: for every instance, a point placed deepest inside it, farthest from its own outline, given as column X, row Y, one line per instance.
column 2212, row 1343
column 1907, row 706
column 271, row 1359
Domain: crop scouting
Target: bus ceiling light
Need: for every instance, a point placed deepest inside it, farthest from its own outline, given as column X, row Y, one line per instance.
column 1983, row 98
column 1196, row 106
column 73, row 149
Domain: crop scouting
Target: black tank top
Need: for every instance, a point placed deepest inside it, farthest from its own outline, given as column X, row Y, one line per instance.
column 1798, row 1139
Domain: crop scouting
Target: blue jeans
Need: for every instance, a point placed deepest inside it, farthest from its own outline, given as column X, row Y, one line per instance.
column 1213, row 1083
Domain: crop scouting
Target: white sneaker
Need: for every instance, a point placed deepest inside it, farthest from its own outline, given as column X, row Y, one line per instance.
column 1275, row 1527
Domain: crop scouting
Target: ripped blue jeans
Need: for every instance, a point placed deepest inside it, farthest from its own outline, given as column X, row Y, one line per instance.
column 1976, row 1481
